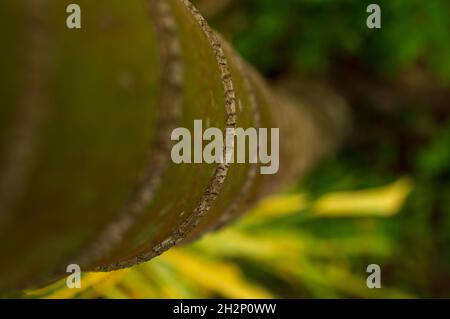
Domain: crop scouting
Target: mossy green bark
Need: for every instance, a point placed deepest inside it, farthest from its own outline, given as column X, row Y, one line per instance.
column 94, row 107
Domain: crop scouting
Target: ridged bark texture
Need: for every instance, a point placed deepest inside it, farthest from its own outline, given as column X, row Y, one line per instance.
column 85, row 121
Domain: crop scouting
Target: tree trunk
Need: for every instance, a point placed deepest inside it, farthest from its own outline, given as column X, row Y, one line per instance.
column 86, row 116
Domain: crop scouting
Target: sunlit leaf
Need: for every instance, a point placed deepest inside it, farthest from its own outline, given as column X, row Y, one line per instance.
column 384, row 201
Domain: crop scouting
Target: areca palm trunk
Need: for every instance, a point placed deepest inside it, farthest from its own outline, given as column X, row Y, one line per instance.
column 86, row 116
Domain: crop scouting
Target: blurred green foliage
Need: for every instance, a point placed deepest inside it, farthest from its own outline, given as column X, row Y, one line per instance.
column 271, row 252
column 307, row 34
column 312, row 37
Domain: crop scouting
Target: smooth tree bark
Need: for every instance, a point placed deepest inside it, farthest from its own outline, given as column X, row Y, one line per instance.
column 86, row 116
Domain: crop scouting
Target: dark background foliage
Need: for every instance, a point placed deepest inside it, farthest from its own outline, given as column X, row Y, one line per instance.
column 396, row 80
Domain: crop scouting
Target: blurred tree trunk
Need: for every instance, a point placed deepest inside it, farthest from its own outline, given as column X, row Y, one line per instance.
column 210, row 8
column 85, row 121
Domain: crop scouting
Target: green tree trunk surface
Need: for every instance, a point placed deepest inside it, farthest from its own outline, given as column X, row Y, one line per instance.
column 86, row 115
